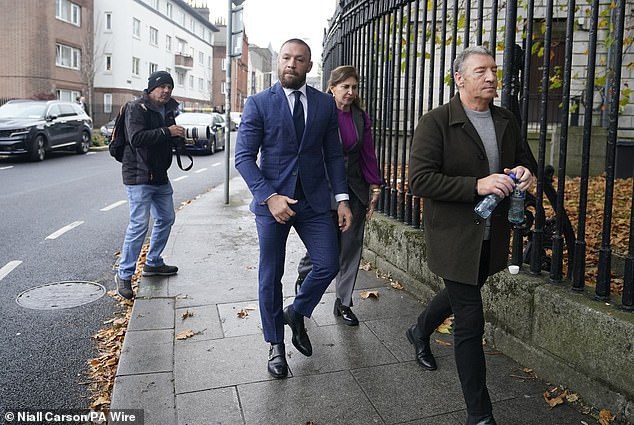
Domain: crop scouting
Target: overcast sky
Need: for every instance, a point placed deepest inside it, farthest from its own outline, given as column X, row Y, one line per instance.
column 275, row 21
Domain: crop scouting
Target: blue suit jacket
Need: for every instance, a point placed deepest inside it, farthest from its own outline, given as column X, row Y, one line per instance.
column 267, row 129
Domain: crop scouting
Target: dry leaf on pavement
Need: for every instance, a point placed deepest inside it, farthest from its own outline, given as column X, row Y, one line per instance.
column 244, row 311
column 606, row 417
column 396, row 285
column 445, row 327
column 442, row 343
column 555, row 400
column 186, row 314
column 187, row 333
column 369, row 294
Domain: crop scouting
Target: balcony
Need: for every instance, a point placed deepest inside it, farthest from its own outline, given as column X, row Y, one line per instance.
column 183, row 61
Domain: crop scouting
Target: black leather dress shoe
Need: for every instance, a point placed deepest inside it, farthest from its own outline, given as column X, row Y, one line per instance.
column 424, row 357
column 278, row 368
column 346, row 314
column 487, row 420
column 300, row 337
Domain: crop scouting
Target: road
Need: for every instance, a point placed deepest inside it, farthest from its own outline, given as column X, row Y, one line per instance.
column 63, row 219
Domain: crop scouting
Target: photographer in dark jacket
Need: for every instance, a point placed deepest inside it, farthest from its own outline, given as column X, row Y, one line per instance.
column 150, row 127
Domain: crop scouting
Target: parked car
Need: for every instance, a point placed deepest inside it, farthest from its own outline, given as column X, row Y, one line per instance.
column 236, row 117
column 35, row 127
column 107, row 128
column 215, row 122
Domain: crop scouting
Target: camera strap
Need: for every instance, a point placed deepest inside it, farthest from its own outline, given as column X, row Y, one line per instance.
column 180, row 164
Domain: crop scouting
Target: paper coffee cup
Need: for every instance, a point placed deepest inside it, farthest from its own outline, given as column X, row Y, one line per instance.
column 513, row 269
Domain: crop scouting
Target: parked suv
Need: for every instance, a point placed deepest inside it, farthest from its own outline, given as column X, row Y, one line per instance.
column 35, row 127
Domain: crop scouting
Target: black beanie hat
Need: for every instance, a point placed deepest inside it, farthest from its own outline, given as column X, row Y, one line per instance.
column 159, row 78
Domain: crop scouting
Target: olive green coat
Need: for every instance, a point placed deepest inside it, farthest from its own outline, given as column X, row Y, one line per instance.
column 446, row 159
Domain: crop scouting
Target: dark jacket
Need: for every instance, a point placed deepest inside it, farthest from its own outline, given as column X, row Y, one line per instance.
column 356, row 182
column 447, row 157
column 148, row 153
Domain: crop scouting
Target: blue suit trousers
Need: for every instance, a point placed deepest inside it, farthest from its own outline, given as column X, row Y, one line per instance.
column 319, row 235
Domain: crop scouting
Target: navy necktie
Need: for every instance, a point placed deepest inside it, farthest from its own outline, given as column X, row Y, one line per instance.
column 298, row 116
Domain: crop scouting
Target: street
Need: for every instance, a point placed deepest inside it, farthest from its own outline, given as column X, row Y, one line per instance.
column 63, row 219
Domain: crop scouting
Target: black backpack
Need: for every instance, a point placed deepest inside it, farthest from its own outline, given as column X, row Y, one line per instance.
column 118, row 141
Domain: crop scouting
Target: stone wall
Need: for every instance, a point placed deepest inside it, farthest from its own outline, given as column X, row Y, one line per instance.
column 566, row 338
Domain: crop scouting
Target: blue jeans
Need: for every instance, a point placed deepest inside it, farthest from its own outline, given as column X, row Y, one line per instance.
column 144, row 199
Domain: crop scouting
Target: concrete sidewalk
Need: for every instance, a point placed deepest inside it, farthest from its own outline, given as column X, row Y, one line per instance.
column 356, row 375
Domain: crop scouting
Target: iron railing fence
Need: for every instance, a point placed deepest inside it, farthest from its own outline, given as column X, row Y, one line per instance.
column 560, row 64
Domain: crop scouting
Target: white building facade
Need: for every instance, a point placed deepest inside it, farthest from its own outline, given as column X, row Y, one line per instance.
column 133, row 38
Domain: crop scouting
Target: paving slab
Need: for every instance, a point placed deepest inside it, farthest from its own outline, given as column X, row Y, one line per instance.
column 152, row 314
column 405, row 392
column 211, row 407
column 153, row 393
column 147, row 352
column 331, row 398
column 202, row 320
column 217, row 363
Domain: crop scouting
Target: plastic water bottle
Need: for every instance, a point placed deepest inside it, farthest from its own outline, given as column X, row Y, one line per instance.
column 486, row 206
column 516, row 210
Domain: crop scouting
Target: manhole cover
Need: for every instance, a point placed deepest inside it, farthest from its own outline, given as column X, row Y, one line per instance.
column 55, row 296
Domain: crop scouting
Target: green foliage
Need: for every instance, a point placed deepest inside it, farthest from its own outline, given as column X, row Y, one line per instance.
column 98, row 139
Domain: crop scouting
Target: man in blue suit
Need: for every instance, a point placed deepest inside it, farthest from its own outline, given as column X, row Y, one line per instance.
column 294, row 130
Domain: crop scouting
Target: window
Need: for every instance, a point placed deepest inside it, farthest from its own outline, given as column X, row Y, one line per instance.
column 153, row 36
column 136, row 27
column 191, row 82
column 108, row 23
column 153, row 67
column 180, row 46
column 180, row 78
column 209, row 61
column 192, row 25
column 223, row 64
column 67, row 57
column 168, row 10
column 168, row 43
column 201, row 58
column 201, row 84
column 68, row 12
column 222, row 87
column 191, row 52
column 108, row 63
column 107, row 103
column 209, row 86
column 155, row 4
column 65, row 95
column 136, row 65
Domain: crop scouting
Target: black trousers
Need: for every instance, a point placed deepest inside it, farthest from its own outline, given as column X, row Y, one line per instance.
column 465, row 302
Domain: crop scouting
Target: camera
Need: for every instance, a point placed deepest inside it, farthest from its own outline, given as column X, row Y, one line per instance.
column 195, row 132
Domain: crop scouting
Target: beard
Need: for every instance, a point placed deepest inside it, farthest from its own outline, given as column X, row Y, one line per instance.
column 291, row 81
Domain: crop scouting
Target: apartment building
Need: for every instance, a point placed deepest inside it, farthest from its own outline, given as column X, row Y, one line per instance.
column 45, row 46
column 134, row 38
column 261, row 68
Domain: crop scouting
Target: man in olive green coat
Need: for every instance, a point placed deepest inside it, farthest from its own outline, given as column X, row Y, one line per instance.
column 463, row 151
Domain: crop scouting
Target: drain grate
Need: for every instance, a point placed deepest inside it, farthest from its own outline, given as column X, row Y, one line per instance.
column 59, row 295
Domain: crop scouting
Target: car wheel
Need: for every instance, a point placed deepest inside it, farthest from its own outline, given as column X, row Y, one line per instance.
column 212, row 147
column 38, row 149
column 84, row 145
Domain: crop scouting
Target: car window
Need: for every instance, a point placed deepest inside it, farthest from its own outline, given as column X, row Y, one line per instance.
column 67, row 110
column 22, row 110
column 77, row 109
column 54, row 111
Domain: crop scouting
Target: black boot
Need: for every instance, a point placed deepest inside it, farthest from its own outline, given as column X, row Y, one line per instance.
column 424, row 356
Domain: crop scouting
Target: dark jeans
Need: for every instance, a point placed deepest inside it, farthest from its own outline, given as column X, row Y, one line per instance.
column 465, row 302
